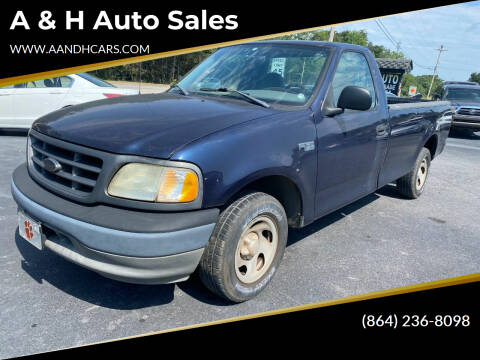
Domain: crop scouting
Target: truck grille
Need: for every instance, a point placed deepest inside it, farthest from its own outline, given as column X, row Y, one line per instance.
column 468, row 111
column 79, row 172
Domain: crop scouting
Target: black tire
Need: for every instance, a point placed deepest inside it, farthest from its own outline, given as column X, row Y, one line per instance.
column 409, row 184
column 217, row 267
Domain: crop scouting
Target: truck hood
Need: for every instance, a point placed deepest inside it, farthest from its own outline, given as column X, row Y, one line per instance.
column 475, row 104
column 153, row 125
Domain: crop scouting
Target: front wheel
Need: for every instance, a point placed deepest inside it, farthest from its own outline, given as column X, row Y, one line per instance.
column 245, row 248
column 412, row 184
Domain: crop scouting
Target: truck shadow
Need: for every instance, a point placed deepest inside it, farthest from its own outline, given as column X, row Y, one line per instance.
column 296, row 235
column 87, row 285
column 390, row 191
column 466, row 135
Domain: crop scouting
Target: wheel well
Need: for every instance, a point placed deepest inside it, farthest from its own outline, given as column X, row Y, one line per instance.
column 431, row 145
column 282, row 189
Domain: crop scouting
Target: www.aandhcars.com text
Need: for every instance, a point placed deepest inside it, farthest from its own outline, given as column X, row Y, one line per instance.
column 64, row 49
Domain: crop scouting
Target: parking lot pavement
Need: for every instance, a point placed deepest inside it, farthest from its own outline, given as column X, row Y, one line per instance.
column 144, row 88
column 379, row 242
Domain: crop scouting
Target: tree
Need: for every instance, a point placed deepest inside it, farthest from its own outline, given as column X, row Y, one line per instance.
column 357, row 37
column 168, row 70
column 165, row 70
column 316, row 35
column 422, row 82
column 475, row 77
column 352, row 37
column 380, row 51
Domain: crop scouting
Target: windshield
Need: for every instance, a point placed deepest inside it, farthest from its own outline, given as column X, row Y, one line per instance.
column 273, row 73
column 463, row 94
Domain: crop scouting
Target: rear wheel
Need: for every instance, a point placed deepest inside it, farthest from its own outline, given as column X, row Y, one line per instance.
column 412, row 184
column 245, row 248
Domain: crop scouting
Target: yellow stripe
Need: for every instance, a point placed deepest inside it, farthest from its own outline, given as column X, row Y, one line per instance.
column 106, row 64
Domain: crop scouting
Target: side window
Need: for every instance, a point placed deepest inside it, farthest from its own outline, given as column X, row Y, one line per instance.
column 56, row 82
column 16, row 86
column 65, row 81
column 352, row 69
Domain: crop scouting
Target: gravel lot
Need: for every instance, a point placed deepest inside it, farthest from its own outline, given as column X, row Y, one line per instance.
column 376, row 243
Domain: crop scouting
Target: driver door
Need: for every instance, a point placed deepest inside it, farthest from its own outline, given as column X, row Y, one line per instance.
column 351, row 145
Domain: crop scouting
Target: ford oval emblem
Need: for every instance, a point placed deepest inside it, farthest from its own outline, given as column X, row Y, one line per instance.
column 52, row 165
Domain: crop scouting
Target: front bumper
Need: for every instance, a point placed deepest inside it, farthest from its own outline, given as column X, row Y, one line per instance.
column 466, row 121
column 126, row 245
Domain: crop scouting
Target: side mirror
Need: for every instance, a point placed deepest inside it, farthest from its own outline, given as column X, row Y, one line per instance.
column 355, row 98
column 351, row 97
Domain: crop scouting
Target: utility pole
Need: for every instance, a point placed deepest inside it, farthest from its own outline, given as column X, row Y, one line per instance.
column 140, row 77
column 435, row 69
column 332, row 33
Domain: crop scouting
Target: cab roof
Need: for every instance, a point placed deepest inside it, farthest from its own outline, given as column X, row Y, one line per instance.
column 461, row 86
column 311, row 43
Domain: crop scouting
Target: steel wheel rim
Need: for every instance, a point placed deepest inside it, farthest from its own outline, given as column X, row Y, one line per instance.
column 256, row 249
column 422, row 174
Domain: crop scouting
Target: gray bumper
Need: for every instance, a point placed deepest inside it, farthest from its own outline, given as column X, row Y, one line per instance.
column 148, row 258
column 466, row 121
column 156, row 270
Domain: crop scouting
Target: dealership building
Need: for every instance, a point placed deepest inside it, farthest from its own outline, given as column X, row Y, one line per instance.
column 392, row 71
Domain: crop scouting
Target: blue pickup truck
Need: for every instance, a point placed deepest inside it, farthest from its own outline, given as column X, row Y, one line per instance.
column 210, row 175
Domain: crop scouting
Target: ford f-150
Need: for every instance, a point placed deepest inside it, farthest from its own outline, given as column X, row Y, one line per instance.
column 210, row 175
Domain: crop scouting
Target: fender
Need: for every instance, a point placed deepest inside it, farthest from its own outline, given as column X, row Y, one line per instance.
column 280, row 145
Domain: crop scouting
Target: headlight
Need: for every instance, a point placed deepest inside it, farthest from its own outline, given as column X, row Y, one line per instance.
column 149, row 182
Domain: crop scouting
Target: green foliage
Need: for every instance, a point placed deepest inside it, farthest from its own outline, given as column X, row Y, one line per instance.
column 475, row 77
column 422, row 83
column 359, row 37
column 380, row 51
column 352, row 37
column 163, row 71
column 317, row 35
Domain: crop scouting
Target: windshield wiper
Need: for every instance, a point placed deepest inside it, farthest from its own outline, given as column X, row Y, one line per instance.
column 182, row 90
column 251, row 98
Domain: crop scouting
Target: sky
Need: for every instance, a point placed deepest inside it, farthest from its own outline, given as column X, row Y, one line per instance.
column 420, row 33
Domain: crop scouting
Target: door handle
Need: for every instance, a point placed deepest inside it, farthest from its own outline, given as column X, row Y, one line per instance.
column 382, row 129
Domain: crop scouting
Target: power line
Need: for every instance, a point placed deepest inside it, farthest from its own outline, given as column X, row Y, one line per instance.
column 397, row 44
column 385, row 31
column 418, row 29
column 399, row 48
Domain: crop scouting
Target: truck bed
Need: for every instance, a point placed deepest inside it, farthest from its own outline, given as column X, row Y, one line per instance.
column 406, row 103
